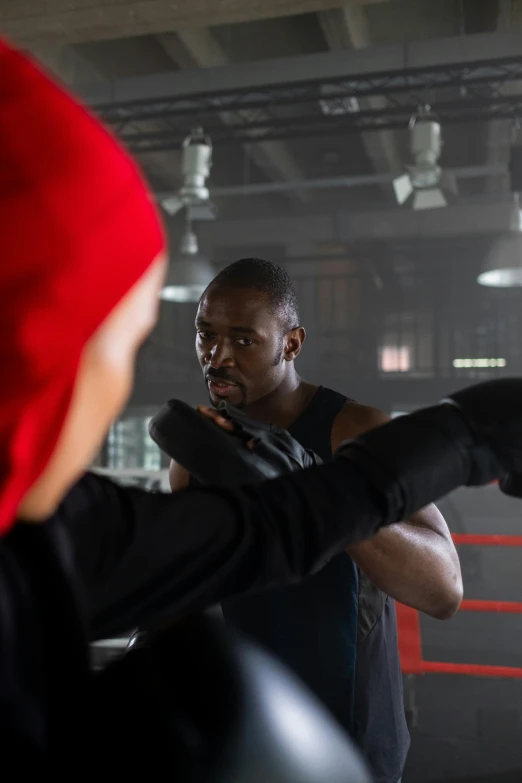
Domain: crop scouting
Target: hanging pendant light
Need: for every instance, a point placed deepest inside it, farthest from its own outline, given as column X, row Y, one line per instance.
column 189, row 272
column 503, row 265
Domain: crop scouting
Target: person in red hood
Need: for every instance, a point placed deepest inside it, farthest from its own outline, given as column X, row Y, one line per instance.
column 82, row 260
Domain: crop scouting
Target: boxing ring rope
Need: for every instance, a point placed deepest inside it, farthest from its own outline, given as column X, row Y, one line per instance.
column 408, row 620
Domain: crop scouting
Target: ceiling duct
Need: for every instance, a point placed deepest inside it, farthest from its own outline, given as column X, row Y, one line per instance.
column 326, row 183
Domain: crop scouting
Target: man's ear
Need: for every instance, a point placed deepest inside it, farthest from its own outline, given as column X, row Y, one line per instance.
column 293, row 343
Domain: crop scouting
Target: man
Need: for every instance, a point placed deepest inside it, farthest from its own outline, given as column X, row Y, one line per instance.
column 338, row 630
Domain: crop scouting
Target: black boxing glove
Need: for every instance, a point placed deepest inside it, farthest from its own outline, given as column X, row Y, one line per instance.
column 493, row 412
column 471, row 438
column 253, row 452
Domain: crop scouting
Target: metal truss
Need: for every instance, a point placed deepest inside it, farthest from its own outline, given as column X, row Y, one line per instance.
column 465, row 92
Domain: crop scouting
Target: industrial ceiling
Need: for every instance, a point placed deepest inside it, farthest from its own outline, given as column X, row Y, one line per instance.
column 308, row 103
column 94, row 42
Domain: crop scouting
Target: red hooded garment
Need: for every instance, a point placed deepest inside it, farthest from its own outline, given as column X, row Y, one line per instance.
column 78, row 228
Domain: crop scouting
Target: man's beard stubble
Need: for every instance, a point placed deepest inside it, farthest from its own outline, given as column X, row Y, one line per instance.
column 240, row 404
column 222, row 375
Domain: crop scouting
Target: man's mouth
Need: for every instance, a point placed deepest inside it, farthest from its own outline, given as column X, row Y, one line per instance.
column 220, row 388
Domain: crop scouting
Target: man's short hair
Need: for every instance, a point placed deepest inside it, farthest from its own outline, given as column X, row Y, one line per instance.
column 268, row 278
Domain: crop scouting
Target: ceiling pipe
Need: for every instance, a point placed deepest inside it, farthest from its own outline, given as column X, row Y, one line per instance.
column 325, row 183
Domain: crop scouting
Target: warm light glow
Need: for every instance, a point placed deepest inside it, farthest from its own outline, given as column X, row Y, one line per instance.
column 461, row 363
column 395, row 358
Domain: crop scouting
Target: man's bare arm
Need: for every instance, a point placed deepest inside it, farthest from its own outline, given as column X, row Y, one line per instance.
column 414, row 561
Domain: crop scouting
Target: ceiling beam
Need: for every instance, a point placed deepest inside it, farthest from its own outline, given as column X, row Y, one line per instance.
column 347, row 28
column 267, row 74
column 75, row 21
column 199, row 48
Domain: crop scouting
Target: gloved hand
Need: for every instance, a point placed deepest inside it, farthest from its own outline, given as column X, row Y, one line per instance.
column 251, row 452
column 471, row 438
column 493, row 412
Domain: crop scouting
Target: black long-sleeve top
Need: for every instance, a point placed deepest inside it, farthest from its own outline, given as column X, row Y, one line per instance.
column 145, row 555
column 115, row 557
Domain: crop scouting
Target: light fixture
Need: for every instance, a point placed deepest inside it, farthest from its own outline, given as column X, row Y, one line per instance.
column 503, row 265
column 189, row 272
column 196, row 162
column 425, row 185
column 466, row 363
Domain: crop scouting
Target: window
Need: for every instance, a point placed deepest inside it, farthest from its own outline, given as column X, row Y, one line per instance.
column 394, row 358
column 129, row 445
column 406, row 343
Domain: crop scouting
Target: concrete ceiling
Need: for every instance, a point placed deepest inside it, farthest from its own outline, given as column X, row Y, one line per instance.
column 104, row 42
column 94, row 41
column 75, row 21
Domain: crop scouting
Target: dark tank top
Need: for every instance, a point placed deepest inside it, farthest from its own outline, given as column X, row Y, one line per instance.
column 337, row 630
column 312, row 626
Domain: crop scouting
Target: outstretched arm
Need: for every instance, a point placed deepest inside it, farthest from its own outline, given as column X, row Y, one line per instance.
column 414, row 561
column 148, row 556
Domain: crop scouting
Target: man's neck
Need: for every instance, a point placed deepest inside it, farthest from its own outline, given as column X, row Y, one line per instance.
column 285, row 404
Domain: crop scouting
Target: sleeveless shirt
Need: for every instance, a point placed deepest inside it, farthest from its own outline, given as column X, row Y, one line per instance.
column 312, row 626
column 337, row 630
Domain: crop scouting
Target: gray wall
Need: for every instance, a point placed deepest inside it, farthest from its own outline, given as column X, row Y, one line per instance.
column 469, row 728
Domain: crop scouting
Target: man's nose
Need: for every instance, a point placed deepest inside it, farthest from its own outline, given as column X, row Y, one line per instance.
column 220, row 355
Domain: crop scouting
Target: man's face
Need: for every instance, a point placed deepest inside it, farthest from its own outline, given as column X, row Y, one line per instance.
column 240, row 345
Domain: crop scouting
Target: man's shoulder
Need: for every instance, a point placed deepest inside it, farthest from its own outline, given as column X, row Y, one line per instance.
column 367, row 415
column 353, row 419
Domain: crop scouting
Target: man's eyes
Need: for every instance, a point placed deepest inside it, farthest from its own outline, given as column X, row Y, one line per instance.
column 243, row 341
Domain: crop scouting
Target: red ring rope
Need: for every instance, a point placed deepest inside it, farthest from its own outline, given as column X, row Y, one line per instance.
column 484, row 540
column 410, row 642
